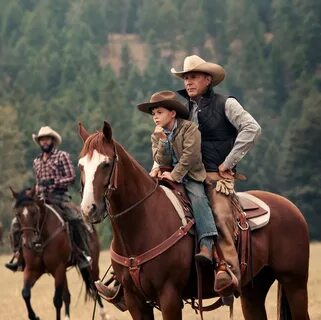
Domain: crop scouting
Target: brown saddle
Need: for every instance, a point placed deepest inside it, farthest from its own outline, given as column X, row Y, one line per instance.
column 251, row 208
column 251, row 213
column 179, row 191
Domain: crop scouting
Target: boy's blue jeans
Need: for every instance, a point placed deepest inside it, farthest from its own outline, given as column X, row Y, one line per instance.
column 205, row 226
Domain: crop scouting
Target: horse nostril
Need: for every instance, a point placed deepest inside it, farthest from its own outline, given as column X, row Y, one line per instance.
column 93, row 207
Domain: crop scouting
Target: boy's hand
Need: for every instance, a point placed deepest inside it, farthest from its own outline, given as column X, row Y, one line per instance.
column 159, row 133
column 167, row 175
column 155, row 173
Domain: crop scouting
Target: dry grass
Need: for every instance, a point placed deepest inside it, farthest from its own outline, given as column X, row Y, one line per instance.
column 12, row 305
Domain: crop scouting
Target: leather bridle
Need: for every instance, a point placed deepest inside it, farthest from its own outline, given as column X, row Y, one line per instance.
column 37, row 230
column 112, row 186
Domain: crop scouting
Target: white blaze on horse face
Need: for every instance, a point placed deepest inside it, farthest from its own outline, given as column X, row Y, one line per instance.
column 25, row 212
column 90, row 166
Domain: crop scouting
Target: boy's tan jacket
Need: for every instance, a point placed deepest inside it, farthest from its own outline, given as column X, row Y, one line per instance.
column 186, row 145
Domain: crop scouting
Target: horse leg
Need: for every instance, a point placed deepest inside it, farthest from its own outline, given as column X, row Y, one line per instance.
column 138, row 308
column 29, row 280
column 60, row 279
column 297, row 297
column 253, row 298
column 66, row 299
column 170, row 303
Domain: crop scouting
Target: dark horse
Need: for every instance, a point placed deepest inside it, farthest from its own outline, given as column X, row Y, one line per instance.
column 143, row 217
column 46, row 248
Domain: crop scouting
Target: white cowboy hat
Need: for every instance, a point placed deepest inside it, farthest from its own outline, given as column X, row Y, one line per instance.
column 47, row 131
column 195, row 63
column 166, row 99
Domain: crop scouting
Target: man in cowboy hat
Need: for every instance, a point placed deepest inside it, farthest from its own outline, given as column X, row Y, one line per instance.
column 228, row 133
column 54, row 172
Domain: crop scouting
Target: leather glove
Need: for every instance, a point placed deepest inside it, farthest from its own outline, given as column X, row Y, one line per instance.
column 46, row 182
column 225, row 186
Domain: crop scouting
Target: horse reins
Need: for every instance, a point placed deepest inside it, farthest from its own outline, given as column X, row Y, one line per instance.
column 38, row 229
column 112, row 186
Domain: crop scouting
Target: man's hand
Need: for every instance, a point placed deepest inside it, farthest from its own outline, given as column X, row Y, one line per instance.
column 46, row 182
column 159, row 133
column 225, row 172
column 167, row 175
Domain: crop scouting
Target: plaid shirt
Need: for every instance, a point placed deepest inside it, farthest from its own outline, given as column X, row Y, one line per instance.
column 57, row 167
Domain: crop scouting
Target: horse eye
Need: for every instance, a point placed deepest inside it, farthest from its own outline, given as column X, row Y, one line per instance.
column 105, row 164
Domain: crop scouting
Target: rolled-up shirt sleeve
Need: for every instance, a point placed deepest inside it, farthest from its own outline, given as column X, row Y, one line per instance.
column 67, row 172
column 248, row 131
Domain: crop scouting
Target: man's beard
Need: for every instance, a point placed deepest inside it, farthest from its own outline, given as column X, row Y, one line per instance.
column 47, row 148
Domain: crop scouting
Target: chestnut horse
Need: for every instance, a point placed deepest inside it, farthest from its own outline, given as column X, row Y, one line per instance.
column 46, row 248
column 142, row 217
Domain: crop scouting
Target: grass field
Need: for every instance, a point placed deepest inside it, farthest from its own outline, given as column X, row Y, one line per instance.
column 12, row 305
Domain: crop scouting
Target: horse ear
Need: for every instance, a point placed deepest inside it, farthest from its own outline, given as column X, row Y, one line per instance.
column 107, row 131
column 32, row 191
column 83, row 132
column 14, row 194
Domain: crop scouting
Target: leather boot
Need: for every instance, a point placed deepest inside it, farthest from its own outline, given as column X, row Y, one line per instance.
column 104, row 290
column 15, row 265
column 113, row 294
column 225, row 283
column 205, row 256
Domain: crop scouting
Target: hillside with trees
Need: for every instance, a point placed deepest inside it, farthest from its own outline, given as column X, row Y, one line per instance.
column 66, row 61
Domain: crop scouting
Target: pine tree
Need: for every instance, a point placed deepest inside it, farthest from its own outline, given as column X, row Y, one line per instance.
column 301, row 166
column 13, row 169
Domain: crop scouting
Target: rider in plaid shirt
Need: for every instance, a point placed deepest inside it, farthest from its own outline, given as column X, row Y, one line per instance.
column 54, row 172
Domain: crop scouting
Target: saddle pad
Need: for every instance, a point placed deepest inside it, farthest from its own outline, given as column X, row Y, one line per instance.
column 257, row 211
column 177, row 205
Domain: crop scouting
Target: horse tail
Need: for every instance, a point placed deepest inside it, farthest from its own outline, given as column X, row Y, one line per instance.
column 89, row 283
column 283, row 307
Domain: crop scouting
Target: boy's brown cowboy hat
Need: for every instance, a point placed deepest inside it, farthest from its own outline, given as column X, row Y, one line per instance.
column 166, row 99
column 47, row 132
column 196, row 64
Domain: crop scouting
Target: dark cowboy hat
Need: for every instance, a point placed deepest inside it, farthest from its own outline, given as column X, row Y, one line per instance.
column 165, row 99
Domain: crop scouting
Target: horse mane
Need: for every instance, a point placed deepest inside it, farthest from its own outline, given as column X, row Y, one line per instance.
column 95, row 141
column 23, row 198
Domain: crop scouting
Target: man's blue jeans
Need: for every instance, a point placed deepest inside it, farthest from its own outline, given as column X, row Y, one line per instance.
column 205, row 225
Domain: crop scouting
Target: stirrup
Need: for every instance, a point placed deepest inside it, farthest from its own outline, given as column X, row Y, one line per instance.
column 231, row 286
column 84, row 261
column 88, row 258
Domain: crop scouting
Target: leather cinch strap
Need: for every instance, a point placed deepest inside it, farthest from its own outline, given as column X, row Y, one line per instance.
column 134, row 263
